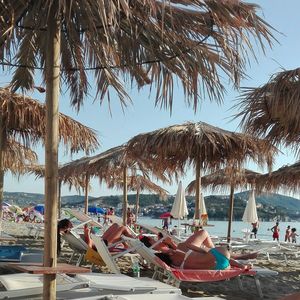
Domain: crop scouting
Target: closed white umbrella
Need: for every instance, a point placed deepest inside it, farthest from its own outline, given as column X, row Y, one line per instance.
column 250, row 213
column 179, row 208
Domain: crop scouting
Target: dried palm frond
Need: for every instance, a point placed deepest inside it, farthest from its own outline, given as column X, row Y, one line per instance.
column 139, row 183
column 24, row 119
column 16, row 157
column 77, row 182
column 286, row 178
column 272, row 111
column 225, row 178
column 213, row 147
column 144, row 41
column 109, row 165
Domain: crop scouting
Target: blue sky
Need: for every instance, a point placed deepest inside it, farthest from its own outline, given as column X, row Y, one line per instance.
column 143, row 116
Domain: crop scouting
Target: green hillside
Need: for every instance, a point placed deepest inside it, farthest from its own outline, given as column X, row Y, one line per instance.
column 270, row 206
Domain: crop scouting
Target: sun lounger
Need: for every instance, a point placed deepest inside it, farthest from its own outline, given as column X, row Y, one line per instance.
column 145, row 297
column 77, row 244
column 82, row 218
column 176, row 276
column 110, row 257
column 24, row 285
column 15, row 253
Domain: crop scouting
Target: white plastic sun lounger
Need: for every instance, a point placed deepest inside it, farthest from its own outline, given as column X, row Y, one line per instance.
column 80, row 293
column 23, row 285
column 108, row 257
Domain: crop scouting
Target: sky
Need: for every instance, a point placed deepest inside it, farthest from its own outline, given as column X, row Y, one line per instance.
column 118, row 127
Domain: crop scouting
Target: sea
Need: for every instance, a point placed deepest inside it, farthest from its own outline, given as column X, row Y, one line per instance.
column 219, row 228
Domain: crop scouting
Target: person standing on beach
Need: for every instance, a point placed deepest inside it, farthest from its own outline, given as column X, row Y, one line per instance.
column 287, row 237
column 254, row 228
column 293, row 235
column 275, row 229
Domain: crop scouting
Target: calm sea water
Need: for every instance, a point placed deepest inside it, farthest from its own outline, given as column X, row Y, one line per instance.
column 220, row 227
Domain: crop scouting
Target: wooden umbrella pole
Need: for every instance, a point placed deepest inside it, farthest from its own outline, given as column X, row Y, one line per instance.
column 137, row 204
column 51, row 148
column 125, row 203
column 59, row 198
column 230, row 212
column 198, row 190
column 2, row 139
column 86, row 193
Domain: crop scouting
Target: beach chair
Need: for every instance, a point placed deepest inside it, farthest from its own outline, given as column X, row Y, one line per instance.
column 175, row 275
column 15, row 253
column 82, row 218
column 77, row 244
column 25, row 286
column 110, row 257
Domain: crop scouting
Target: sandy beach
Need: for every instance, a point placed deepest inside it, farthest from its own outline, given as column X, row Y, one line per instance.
column 286, row 282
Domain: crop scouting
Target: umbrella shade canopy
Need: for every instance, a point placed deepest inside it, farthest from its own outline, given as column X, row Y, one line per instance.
column 96, row 210
column 250, row 213
column 139, row 183
column 203, row 211
column 179, row 209
column 286, row 178
column 224, row 178
column 210, row 145
column 195, row 41
column 40, row 208
column 165, row 215
column 25, row 118
column 272, row 110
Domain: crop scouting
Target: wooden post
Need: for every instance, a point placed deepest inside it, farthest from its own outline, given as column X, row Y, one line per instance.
column 59, row 198
column 2, row 143
column 125, row 202
column 51, row 148
column 230, row 212
column 198, row 190
column 86, row 193
column 137, row 204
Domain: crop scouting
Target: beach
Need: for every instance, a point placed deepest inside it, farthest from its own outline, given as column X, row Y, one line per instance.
column 275, row 287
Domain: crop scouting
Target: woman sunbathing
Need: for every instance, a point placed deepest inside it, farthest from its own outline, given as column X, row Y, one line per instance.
column 161, row 244
column 199, row 252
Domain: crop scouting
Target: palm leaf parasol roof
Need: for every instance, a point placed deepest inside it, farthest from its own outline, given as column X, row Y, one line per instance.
column 25, row 118
column 286, row 178
column 150, row 41
column 224, row 178
column 272, row 111
column 140, row 183
column 213, row 147
column 16, row 156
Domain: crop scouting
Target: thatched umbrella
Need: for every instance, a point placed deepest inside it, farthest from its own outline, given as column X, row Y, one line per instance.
column 205, row 146
column 149, row 41
column 23, row 118
column 107, row 166
column 223, row 178
column 286, row 178
column 139, row 183
column 16, row 157
column 272, row 111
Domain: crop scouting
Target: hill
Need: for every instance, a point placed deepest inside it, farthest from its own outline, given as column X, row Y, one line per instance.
column 270, row 206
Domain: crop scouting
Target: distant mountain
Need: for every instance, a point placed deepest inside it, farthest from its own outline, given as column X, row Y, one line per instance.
column 270, row 206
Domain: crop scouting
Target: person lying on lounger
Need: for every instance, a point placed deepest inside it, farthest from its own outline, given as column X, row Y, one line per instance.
column 112, row 235
column 199, row 252
column 165, row 243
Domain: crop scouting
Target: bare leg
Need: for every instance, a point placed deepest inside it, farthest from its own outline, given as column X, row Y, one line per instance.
column 200, row 240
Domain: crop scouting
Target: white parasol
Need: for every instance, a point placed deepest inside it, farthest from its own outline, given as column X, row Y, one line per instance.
column 250, row 213
column 179, row 208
